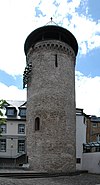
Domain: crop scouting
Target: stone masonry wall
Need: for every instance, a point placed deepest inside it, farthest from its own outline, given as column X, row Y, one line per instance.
column 51, row 97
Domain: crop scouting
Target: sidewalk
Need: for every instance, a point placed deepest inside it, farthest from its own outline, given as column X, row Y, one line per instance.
column 83, row 179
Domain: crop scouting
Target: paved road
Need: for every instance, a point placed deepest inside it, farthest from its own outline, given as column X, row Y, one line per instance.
column 83, row 179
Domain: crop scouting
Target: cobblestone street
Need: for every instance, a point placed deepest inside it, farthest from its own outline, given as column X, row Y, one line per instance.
column 83, row 179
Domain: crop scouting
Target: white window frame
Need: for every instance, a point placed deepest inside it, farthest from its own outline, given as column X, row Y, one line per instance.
column 22, row 112
column 2, row 145
column 10, row 112
column 3, row 128
column 21, row 146
column 98, row 137
column 21, row 128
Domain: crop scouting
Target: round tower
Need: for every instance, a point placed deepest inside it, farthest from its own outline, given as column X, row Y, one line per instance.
column 50, row 79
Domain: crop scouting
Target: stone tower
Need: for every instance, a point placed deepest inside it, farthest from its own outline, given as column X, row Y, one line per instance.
column 50, row 79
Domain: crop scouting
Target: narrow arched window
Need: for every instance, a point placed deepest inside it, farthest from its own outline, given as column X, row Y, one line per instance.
column 37, row 123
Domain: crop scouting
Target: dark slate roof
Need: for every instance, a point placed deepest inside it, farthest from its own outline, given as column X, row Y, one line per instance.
column 51, row 32
column 16, row 104
column 95, row 119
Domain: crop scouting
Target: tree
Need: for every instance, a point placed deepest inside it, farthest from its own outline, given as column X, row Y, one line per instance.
column 2, row 120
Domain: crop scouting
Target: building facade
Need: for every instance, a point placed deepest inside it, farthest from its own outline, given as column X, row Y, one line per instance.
column 13, row 135
column 93, row 129
column 50, row 78
column 92, row 135
column 91, row 149
column 81, row 125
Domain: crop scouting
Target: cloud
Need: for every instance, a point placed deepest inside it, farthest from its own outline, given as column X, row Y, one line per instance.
column 15, row 26
column 19, row 18
column 74, row 16
column 87, row 33
column 12, row 93
column 88, row 93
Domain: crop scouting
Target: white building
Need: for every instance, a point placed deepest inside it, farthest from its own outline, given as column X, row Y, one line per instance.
column 80, row 136
column 13, row 139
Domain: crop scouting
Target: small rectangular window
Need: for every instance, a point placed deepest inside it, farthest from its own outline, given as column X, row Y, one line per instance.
column 21, row 146
column 56, row 62
column 11, row 111
column 22, row 112
column 2, row 145
column 98, row 137
column 21, row 129
column 94, row 124
column 78, row 160
column 3, row 128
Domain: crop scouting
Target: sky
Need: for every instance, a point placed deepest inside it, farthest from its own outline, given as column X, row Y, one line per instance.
column 18, row 18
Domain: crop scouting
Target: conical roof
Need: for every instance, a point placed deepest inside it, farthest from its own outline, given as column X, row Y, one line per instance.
column 51, row 31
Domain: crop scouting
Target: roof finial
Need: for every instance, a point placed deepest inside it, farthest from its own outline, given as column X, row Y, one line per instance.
column 51, row 19
column 51, row 22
